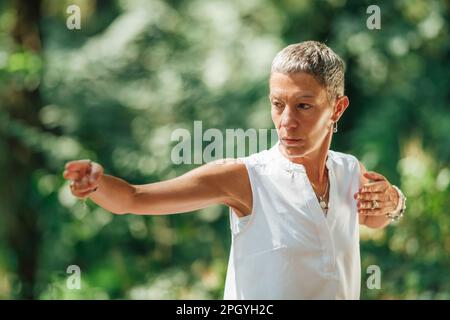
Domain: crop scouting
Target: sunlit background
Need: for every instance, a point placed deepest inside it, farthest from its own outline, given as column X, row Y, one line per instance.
column 115, row 90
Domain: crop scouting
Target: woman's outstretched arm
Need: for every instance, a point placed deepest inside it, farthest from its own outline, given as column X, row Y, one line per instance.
column 220, row 182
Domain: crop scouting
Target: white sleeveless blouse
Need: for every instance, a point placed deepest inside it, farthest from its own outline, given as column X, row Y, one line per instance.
column 287, row 248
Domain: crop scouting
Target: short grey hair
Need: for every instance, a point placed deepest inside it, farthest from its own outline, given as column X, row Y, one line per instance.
column 314, row 58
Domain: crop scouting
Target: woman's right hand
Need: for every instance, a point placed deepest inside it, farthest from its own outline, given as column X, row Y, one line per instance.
column 84, row 176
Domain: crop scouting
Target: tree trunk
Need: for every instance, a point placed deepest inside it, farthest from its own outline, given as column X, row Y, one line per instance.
column 19, row 196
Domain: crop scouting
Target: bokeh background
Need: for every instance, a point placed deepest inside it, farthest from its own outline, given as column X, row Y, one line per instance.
column 138, row 69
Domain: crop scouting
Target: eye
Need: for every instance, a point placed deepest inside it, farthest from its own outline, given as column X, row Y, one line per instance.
column 277, row 105
column 304, row 106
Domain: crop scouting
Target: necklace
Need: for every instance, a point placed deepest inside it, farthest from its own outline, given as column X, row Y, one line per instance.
column 321, row 198
column 322, row 202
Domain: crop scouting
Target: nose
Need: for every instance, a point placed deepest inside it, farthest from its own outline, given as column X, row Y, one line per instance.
column 288, row 118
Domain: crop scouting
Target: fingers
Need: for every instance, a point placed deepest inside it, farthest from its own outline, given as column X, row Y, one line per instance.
column 83, row 185
column 90, row 181
column 372, row 175
column 375, row 212
column 81, row 166
column 379, row 186
column 374, row 191
column 377, row 190
column 369, row 205
column 76, row 190
column 71, row 175
column 84, row 175
column 96, row 172
column 77, row 170
column 384, row 206
column 379, row 196
column 77, row 164
column 81, row 194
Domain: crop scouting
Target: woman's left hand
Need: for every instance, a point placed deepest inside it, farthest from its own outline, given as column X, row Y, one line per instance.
column 378, row 197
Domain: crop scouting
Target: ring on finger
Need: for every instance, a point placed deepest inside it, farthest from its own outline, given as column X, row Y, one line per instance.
column 375, row 204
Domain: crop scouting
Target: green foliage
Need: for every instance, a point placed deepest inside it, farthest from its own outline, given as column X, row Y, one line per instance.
column 116, row 89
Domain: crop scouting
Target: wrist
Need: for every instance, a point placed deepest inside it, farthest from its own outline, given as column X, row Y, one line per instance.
column 398, row 213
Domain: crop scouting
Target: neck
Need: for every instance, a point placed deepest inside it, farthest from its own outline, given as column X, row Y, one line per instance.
column 314, row 162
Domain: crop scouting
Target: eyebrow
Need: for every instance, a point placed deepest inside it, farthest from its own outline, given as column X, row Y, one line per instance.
column 297, row 96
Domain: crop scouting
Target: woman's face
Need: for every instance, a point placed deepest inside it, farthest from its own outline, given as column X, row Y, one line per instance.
column 301, row 112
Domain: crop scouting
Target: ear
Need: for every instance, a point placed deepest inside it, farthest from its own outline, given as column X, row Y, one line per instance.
column 340, row 104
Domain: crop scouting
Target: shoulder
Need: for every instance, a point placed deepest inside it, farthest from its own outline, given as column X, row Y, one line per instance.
column 230, row 174
column 346, row 160
column 254, row 163
column 217, row 174
column 352, row 164
column 224, row 175
column 223, row 168
column 237, row 168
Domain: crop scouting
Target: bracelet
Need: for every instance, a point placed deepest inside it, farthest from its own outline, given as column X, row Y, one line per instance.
column 398, row 213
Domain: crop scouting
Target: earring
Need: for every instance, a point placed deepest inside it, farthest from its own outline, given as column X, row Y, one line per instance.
column 334, row 127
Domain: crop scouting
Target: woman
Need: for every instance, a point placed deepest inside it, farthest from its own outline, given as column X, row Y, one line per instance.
column 295, row 209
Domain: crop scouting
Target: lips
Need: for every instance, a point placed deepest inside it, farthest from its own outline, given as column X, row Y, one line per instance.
column 288, row 141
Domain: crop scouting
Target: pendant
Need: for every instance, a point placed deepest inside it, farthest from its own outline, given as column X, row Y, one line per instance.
column 323, row 204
